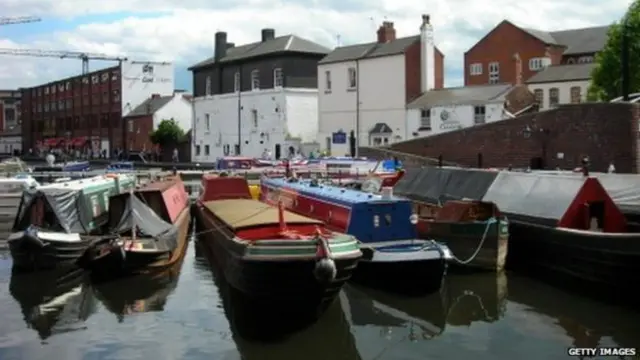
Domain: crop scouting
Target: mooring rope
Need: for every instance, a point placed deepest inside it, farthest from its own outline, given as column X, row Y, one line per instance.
column 482, row 240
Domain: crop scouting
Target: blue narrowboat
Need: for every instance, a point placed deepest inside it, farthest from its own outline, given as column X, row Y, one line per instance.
column 394, row 258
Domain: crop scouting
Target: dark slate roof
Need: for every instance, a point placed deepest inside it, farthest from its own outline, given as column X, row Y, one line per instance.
column 150, row 106
column 558, row 73
column 287, row 43
column 577, row 41
column 381, row 128
column 466, row 95
column 369, row 50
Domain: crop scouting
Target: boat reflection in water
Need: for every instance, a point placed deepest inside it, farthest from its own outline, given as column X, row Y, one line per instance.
column 140, row 293
column 588, row 323
column 476, row 297
column 54, row 301
column 400, row 318
column 262, row 335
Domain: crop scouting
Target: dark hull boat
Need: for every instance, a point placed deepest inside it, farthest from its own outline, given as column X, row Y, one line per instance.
column 270, row 255
column 56, row 223
column 256, row 332
column 447, row 205
column 394, row 258
column 54, row 301
column 149, row 231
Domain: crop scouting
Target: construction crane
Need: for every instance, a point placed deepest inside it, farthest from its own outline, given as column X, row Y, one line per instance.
column 18, row 20
column 84, row 56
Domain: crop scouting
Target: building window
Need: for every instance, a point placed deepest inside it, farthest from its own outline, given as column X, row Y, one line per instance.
column 197, row 150
column 554, row 97
column 475, row 69
column 85, row 80
column 278, row 79
column 207, row 122
column 104, row 77
column 207, row 86
column 539, row 95
column 60, row 87
column 494, row 72
column 53, row 89
column 479, row 114
column 206, row 150
column 425, row 119
column 254, row 117
column 585, row 59
column 114, row 76
column 255, row 80
column 571, row 61
column 130, row 126
column 327, row 81
column 576, row 95
column 68, row 85
column 94, row 79
column 537, row 64
column 236, row 81
column 353, row 79
column 116, row 96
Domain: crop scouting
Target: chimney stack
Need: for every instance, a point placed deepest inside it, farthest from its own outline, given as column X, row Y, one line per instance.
column 518, row 67
column 268, row 34
column 386, row 32
column 427, row 55
column 221, row 45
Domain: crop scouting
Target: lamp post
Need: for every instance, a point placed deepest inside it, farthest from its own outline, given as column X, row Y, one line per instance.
column 625, row 59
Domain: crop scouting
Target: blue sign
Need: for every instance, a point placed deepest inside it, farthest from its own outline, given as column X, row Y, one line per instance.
column 339, row 137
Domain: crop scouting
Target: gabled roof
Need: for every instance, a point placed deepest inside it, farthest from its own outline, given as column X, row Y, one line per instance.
column 559, row 73
column 466, row 95
column 381, row 128
column 150, row 106
column 370, row 50
column 577, row 41
column 287, row 43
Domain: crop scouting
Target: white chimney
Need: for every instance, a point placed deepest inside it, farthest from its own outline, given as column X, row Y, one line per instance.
column 427, row 55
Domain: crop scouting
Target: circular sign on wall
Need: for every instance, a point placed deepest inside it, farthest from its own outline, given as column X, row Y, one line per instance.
column 444, row 115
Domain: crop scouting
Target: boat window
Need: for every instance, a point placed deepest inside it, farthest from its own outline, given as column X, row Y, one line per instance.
column 376, row 221
column 387, row 220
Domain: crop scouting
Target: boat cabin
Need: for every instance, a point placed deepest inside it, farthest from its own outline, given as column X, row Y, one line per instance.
column 14, row 186
column 235, row 163
column 64, row 167
column 574, row 202
column 79, row 206
column 215, row 187
column 368, row 217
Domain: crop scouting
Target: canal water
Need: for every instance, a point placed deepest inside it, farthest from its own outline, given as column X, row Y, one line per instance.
column 186, row 315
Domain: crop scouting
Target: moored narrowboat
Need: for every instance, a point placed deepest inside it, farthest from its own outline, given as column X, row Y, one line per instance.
column 149, row 229
column 56, row 223
column 449, row 208
column 271, row 254
column 393, row 256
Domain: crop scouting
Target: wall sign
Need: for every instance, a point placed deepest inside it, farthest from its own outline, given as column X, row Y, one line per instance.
column 339, row 137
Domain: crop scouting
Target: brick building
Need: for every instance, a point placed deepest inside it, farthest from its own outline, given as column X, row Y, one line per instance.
column 559, row 137
column 10, row 120
column 86, row 111
column 491, row 60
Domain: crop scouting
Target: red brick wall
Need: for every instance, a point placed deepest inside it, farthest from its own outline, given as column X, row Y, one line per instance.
column 413, row 69
column 138, row 139
column 500, row 45
column 604, row 132
column 439, row 70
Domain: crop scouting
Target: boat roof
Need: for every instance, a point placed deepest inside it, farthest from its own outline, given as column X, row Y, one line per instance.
column 159, row 185
column 78, row 184
column 336, row 194
column 244, row 213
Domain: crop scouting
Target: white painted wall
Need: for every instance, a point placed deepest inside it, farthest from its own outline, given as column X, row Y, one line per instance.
column 459, row 116
column 178, row 109
column 138, row 86
column 279, row 111
column 382, row 99
column 564, row 90
column 10, row 143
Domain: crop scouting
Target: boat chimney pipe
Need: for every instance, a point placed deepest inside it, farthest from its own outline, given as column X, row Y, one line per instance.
column 585, row 166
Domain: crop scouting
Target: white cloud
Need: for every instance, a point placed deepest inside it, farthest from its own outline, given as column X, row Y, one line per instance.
column 183, row 32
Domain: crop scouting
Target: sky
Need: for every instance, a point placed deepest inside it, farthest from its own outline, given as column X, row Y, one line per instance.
column 183, row 31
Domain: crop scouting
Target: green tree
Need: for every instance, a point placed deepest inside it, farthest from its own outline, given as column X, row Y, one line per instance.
column 167, row 133
column 606, row 79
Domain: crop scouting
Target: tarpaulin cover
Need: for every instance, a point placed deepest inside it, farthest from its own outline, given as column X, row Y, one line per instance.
column 64, row 210
column 437, row 185
column 147, row 222
column 534, row 195
column 624, row 190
